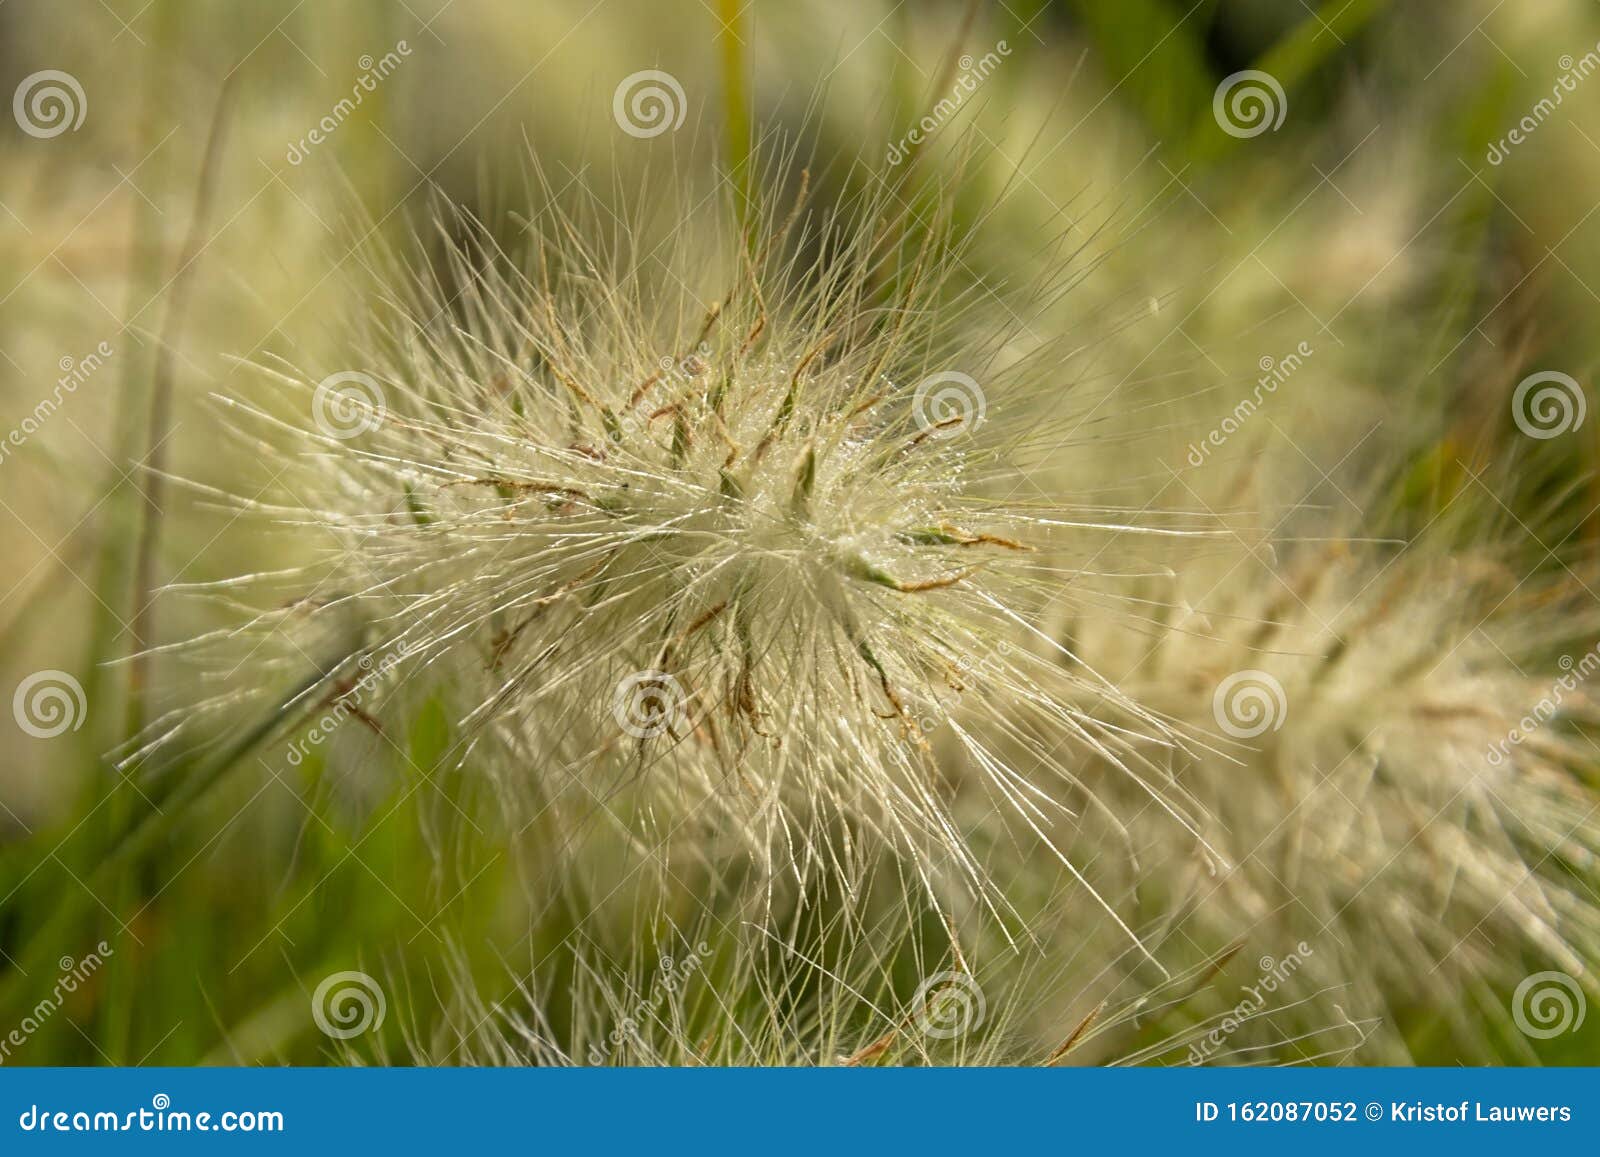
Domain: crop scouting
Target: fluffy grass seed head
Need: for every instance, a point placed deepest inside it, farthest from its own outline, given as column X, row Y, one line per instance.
column 1399, row 777
column 739, row 526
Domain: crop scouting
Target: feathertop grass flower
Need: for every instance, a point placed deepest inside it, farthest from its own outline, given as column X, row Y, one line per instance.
column 743, row 519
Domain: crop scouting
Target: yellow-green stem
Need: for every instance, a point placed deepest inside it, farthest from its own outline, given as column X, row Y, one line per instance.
column 736, row 105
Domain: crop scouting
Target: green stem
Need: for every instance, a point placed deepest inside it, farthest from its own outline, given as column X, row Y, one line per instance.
column 125, row 852
column 736, row 106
